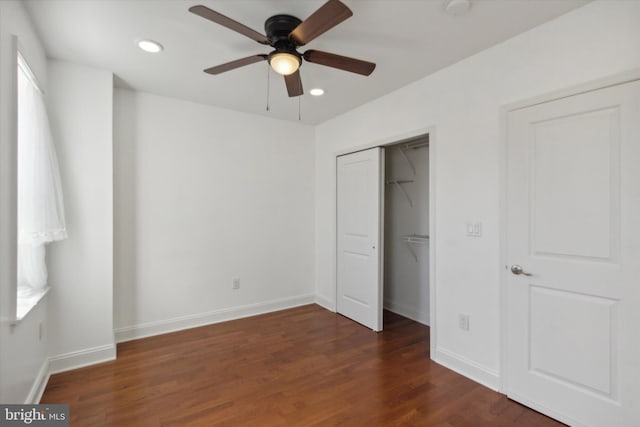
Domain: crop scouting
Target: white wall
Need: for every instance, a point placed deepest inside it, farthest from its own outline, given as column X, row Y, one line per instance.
column 203, row 195
column 23, row 355
column 406, row 280
column 81, row 268
column 462, row 104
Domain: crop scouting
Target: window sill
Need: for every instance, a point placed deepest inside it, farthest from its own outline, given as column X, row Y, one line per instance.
column 28, row 303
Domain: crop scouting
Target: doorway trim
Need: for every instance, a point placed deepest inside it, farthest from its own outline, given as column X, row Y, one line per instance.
column 612, row 80
column 429, row 131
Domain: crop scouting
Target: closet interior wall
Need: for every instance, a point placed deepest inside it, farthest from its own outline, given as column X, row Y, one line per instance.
column 406, row 225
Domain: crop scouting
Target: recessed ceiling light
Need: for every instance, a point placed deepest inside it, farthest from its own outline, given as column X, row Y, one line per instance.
column 150, row 46
column 457, row 7
column 317, row 92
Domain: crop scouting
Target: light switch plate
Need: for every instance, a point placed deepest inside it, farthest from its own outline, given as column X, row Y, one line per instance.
column 463, row 321
column 474, row 229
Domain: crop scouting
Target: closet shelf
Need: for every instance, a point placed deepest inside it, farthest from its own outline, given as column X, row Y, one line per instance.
column 416, row 145
column 410, row 239
column 398, row 183
column 416, row 238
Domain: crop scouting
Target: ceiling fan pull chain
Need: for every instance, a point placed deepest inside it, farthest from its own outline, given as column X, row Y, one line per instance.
column 299, row 113
column 268, row 84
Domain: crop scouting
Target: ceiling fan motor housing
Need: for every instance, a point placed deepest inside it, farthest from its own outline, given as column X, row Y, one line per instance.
column 278, row 28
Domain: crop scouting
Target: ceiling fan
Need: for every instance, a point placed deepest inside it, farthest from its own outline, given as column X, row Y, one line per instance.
column 285, row 33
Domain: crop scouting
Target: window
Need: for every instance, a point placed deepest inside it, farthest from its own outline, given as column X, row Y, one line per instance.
column 40, row 207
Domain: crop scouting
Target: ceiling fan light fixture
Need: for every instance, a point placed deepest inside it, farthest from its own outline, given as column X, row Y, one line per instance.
column 284, row 63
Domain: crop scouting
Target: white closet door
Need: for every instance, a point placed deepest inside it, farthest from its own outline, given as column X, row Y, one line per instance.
column 360, row 179
column 573, row 290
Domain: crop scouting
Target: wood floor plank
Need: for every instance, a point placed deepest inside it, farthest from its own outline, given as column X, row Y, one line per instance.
column 300, row 367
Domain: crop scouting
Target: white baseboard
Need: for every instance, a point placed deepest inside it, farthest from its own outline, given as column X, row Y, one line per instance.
column 325, row 303
column 82, row 358
column 468, row 368
column 186, row 322
column 39, row 384
column 409, row 312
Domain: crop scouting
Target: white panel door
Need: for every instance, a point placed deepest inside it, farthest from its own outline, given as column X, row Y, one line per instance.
column 573, row 236
column 360, row 177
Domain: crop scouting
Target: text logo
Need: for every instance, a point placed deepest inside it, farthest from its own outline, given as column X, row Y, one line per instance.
column 34, row 415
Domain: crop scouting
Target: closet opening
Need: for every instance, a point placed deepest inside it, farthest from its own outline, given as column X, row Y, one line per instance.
column 406, row 229
column 382, row 232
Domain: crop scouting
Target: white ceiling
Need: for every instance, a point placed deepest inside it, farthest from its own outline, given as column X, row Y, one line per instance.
column 408, row 39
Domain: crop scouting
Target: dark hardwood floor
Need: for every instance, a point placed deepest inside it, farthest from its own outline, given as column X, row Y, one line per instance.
column 300, row 367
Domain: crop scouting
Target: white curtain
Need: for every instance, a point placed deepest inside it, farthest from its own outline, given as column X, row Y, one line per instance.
column 40, row 207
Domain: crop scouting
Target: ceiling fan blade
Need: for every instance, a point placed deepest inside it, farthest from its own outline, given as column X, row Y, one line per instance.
column 341, row 62
column 294, row 84
column 328, row 16
column 220, row 19
column 235, row 64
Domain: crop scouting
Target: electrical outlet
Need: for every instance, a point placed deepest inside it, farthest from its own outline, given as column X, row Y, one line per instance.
column 236, row 283
column 463, row 322
column 40, row 331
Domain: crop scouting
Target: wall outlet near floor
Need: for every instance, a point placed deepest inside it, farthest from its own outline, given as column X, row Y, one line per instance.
column 236, row 283
column 463, row 322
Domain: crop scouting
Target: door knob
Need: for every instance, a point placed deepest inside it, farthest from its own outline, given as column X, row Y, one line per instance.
column 517, row 270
